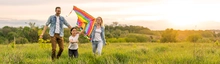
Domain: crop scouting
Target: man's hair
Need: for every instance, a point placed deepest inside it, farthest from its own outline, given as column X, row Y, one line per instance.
column 57, row 8
column 72, row 30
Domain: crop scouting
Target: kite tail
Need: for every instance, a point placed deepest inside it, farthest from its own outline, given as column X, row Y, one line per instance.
column 81, row 29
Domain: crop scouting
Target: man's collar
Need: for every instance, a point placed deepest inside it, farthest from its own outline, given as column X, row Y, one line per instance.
column 56, row 15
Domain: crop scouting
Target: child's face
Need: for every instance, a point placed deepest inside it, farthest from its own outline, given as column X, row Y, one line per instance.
column 74, row 31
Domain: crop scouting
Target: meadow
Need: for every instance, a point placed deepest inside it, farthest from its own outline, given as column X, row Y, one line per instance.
column 116, row 53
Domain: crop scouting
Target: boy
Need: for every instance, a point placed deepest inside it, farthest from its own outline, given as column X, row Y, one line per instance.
column 73, row 42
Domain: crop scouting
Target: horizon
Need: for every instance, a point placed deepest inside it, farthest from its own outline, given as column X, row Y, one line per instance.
column 153, row 14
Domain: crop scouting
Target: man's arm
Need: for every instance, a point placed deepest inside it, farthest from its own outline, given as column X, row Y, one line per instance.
column 69, row 27
column 66, row 23
column 45, row 27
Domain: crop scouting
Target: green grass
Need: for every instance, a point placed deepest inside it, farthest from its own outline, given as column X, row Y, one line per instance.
column 116, row 53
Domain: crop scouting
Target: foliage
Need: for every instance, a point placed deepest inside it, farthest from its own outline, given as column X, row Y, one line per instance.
column 21, row 40
column 114, row 32
column 194, row 38
column 117, row 53
column 169, row 35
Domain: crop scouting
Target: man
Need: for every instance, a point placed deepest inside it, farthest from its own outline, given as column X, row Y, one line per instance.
column 56, row 32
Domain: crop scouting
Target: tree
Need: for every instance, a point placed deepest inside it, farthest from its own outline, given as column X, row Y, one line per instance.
column 11, row 36
column 3, row 40
column 6, row 30
column 21, row 40
column 169, row 35
column 30, row 34
column 32, row 25
column 194, row 37
column 115, row 24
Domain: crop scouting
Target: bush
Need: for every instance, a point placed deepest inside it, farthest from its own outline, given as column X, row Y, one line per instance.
column 21, row 40
column 112, row 40
column 142, row 38
column 194, row 38
column 169, row 35
column 130, row 39
column 116, row 40
column 66, row 40
column 137, row 38
column 121, row 40
column 204, row 40
column 3, row 40
column 82, row 39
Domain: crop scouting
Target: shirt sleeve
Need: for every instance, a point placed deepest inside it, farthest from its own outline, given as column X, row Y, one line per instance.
column 103, row 33
column 65, row 22
column 77, row 35
column 48, row 21
column 70, row 38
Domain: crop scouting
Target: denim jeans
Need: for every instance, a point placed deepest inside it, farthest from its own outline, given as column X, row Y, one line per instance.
column 97, row 46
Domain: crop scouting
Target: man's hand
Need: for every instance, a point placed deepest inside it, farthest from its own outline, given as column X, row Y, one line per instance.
column 41, row 36
column 69, row 27
column 45, row 28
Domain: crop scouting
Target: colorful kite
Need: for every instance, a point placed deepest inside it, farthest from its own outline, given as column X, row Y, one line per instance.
column 85, row 20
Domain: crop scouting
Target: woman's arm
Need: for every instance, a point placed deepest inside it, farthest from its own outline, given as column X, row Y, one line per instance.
column 103, row 35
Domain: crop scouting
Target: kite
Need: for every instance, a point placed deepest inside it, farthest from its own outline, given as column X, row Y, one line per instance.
column 85, row 20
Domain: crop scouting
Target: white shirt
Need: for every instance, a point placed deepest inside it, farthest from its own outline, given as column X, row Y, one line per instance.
column 57, row 30
column 73, row 46
column 98, row 34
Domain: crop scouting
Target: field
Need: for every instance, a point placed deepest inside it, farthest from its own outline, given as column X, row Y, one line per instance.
column 116, row 53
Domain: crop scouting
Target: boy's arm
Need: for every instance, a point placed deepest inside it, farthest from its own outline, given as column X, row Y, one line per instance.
column 71, row 41
column 82, row 32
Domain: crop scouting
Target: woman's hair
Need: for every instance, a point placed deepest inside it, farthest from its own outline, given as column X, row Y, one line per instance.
column 72, row 30
column 101, row 20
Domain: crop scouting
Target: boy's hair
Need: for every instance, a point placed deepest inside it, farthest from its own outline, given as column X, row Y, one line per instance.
column 72, row 30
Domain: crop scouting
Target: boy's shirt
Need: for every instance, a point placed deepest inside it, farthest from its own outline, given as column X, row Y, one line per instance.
column 73, row 46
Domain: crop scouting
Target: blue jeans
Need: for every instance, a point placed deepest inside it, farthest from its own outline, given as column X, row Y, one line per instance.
column 97, row 46
column 73, row 53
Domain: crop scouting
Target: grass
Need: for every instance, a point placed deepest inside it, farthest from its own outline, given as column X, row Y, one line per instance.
column 116, row 53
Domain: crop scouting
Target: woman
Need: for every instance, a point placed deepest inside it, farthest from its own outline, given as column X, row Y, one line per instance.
column 98, row 36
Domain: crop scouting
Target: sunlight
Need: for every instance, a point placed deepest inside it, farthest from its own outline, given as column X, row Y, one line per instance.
column 185, row 13
column 181, row 21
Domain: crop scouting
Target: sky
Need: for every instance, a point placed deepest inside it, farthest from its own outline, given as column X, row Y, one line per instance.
column 154, row 14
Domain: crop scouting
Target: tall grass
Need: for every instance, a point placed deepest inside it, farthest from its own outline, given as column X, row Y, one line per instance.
column 116, row 53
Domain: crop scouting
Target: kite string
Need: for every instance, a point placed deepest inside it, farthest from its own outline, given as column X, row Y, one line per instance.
column 69, row 13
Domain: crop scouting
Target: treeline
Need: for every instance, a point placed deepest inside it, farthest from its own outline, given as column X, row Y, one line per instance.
column 114, row 33
column 199, row 36
column 123, row 33
column 19, row 35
